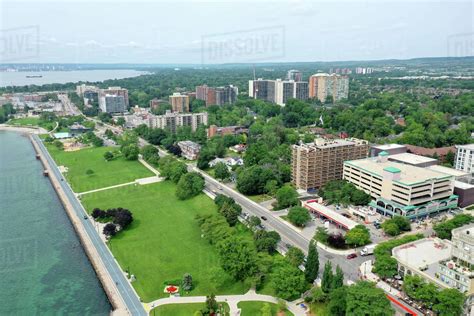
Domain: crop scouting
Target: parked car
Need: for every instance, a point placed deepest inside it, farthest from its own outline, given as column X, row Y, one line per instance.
column 351, row 256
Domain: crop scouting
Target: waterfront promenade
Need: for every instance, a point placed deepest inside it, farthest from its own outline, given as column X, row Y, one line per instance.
column 118, row 289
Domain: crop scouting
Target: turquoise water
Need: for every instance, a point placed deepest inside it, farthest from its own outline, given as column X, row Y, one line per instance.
column 43, row 268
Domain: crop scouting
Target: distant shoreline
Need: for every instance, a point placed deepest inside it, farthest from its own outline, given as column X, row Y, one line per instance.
column 23, row 129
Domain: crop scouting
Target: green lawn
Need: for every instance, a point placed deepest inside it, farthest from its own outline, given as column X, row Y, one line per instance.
column 25, row 121
column 181, row 309
column 106, row 173
column 253, row 308
column 259, row 198
column 319, row 309
column 164, row 241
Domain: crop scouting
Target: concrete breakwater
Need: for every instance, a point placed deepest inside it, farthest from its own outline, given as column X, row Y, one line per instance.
column 110, row 286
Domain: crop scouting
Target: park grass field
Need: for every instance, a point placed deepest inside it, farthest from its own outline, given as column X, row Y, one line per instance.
column 181, row 309
column 164, row 241
column 253, row 308
column 25, row 121
column 105, row 173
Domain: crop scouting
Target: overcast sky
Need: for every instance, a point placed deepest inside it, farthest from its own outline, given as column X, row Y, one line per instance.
column 232, row 31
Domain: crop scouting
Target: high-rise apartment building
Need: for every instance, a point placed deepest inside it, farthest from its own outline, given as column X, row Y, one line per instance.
column 314, row 164
column 112, row 103
column 218, row 95
column 179, row 102
column 464, row 160
column 323, row 86
column 278, row 91
column 294, row 75
column 173, row 120
column 118, row 92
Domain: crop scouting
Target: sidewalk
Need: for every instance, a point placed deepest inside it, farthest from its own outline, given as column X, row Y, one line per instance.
column 231, row 300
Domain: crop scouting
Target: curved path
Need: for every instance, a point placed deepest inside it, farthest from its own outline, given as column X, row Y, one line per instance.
column 231, row 300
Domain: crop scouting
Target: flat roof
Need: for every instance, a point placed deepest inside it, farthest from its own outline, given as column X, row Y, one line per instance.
column 447, row 170
column 330, row 214
column 388, row 146
column 411, row 158
column 409, row 175
column 467, row 146
column 423, row 252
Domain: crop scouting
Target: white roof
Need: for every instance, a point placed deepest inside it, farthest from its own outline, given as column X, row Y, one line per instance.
column 330, row 214
column 411, row 159
column 423, row 252
column 446, row 170
column 388, row 146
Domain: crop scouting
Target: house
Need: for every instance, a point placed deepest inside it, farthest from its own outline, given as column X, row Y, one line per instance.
column 239, row 148
column 78, row 129
column 189, row 150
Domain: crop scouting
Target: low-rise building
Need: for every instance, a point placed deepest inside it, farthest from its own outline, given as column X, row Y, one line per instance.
column 214, row 130
column 189, row 150
column 78, row 129
column 326, row 213
column 401, row 189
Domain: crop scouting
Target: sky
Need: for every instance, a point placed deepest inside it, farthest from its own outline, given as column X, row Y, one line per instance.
column 215, row 32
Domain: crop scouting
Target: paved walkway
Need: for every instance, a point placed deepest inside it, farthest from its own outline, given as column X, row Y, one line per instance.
column 231, row 300
column 148, row 166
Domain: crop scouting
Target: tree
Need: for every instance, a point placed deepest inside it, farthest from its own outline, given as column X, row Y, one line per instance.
column 386, row 266
column 231, row 212
column 97, row 213
column 266, row 241
column 327, row 279
column 187, row 282
column 337, row 302
column 338, row 279
column 221, row 171
column 130, row 152
column 363, row 298
column 288, row 281
column 58, row 144
column 123, row 218
column 390, row 229
column 150, row 154
column 190, row 184
column 336, row 240
column 211, row 305
column 299, row 216
column 317, row 295
column 108, row 155
column 321, row 235
column 286, row 196
column 110, row 229
column 271, row 187
column 358, row 236
column 450, row 302
column 312, row 263
column 254, row 221
column 89, row 172
column 266, row 310
column 252, row 180
column 294, row 256
column 205, row 156
column 238, row 257
column 121, row 121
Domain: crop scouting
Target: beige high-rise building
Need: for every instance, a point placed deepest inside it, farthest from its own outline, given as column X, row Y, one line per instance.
column 323, row 86
column 314, row 164
column 179, row 102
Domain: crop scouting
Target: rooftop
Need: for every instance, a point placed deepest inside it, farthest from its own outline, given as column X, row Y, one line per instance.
column 466, row 231
column 411, row 159
column 467, row 146
column 388, row 146
column 330, row 214
column 409, row 175
column 447, row 170
column 423, row 252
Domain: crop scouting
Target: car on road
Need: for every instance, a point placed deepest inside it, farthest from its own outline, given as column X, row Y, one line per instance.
column 351, row 256
column 264, row 218
column 86, row 217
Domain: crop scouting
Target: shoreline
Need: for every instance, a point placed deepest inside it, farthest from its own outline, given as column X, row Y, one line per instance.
column 23, row 129
column 110, row 288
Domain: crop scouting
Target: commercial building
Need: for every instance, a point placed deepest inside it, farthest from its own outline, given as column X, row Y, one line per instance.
column 189, row 150
column 444, row 263
column 278, row 91
column 323, row 86
column 464, row 158
column 112, row 103
column 401, row 189
column 80, row 89
column 463, row 184
column 391, row 149
column 179, row 102
column 173, row 120
column 413, row 160
column 314, row 164
column 117, row 91
column 294, row 75
column 217, row 95
column 214, row 130
column 326, row 213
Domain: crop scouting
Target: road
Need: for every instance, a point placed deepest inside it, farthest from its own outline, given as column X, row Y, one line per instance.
column 125, row 289
column 69, row 107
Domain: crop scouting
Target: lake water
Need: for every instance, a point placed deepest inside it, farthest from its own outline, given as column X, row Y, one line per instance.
column 43, row 268
column 20, row 78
